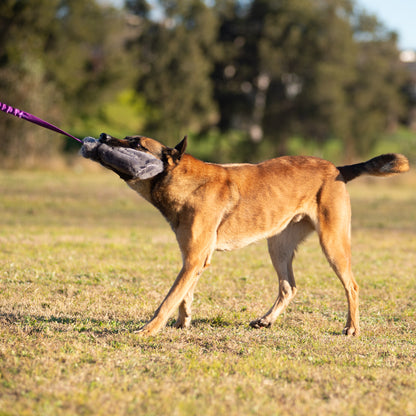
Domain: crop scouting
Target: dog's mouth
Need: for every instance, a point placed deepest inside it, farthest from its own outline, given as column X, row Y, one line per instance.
column 117, row 155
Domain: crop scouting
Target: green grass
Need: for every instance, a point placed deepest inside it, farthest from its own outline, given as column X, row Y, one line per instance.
column 84, row 262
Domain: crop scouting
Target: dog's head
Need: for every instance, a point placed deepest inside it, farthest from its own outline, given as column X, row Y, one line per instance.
column 134, row 157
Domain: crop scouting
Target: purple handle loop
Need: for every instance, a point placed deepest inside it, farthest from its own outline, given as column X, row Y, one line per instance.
column 33, row 119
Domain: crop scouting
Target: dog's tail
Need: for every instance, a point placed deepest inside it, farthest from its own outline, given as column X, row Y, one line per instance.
column 384, row 165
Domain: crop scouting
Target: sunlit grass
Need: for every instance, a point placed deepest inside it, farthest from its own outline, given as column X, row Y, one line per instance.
column 84, row 262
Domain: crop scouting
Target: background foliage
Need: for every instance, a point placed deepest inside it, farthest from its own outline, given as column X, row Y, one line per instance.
column 243, row 76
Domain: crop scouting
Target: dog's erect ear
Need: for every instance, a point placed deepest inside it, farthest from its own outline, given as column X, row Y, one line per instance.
column 180, row 147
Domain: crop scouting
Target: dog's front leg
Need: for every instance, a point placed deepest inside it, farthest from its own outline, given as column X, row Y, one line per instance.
column 186, row 279
column 196, row 240
column 184, row 315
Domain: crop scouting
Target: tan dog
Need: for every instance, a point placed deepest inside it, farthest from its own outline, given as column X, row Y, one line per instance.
column 223, row 207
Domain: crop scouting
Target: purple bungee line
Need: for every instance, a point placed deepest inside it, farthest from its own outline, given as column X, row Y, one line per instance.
column 33, row 119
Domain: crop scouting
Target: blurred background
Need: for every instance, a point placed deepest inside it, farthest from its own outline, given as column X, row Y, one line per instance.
column 245, row 79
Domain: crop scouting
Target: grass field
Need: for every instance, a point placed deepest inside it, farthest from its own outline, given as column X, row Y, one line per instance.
column 84, row 262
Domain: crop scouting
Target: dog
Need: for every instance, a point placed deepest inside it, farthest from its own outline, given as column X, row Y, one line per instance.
column 224, row 207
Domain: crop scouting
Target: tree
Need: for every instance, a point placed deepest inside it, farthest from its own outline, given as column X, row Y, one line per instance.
column 375, row 93
column 302, row 67
column 174, row 60
column 23, row 33
column 86, row 57
column 63, row 60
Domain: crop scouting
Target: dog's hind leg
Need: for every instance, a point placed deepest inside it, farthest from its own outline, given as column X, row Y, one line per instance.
column 339, row 257
column 282, row 250
column 334, row 235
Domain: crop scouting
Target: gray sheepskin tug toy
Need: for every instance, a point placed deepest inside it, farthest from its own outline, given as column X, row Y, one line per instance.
column 126, row 161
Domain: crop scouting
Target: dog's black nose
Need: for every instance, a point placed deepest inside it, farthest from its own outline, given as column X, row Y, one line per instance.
column 104, row 137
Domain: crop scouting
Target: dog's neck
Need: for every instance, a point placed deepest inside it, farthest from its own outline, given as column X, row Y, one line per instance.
column 188, row 175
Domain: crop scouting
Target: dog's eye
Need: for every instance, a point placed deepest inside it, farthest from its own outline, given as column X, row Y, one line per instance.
column 134, row 144
column 140, row 147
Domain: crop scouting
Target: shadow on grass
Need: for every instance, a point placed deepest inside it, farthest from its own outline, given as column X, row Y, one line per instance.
column 107, row 327
column 215, row 322
column 38, row 323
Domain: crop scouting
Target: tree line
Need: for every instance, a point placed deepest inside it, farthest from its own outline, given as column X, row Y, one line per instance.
column 242, row 76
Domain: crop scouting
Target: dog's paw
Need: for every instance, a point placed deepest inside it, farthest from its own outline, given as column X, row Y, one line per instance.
column 260, row 323
column 182, row 323
column 351, row 331
column 146, row 331
column 142, row 332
